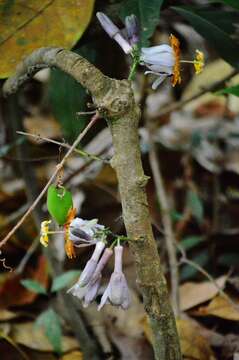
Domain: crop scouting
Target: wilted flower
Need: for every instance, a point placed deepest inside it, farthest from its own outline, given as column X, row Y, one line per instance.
column 84, row 232
column 164, row 61
column 114, row 32
column 44, row 232
column 117, row 292
column 132, row 29
column 90, row 267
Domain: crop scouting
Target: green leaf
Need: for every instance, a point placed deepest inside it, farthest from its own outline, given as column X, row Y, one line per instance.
column 229, row 259
column 59, row 202
column 232, row 3
column 195, row 204
column 190, row 242
column 50, row 321
column 234, row 90
column 148, row 13
column 212, row 30
column 64, row 280
column 34, row 286
column 67, row 97
column 189, row 271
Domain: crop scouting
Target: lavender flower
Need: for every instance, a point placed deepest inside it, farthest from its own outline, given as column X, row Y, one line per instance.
column 114, row 32
column 160, row 60
column 132, row 29
column 94, row 283
column 117, row 292
column 89, row 269
column 89, row 292
column 84, row 232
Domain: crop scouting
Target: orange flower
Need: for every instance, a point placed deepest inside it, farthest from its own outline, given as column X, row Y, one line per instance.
column 69, row 247
column 175, row 44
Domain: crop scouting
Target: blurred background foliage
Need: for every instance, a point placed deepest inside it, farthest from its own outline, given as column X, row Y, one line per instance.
column 195, row 130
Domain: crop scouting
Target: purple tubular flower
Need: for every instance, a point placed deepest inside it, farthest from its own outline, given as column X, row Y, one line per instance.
column 114, row 32
column 132, row 29
column 88, row 270
column 117, row 292
column 94, row 283
column 89, row 291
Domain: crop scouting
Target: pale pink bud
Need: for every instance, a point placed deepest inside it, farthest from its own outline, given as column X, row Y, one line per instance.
column 114, row 32
column 117, row 292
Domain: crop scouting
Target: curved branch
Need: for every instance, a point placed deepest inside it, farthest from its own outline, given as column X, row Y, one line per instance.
column 69, row 62
column 115, row 101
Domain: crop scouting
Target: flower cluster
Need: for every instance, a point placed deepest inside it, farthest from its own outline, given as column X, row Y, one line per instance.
column 79, row 233
column 88, row 285
column 161, row 60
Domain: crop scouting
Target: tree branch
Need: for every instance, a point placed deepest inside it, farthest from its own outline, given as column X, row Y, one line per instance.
column 114, row 100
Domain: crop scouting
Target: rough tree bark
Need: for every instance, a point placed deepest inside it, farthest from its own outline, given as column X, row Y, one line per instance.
column 114, row 100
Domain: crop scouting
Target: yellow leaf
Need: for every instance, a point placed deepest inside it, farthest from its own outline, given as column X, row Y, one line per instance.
column 222, row 308
column 28, row 25
column 75, row 355
column 193, row 344
column 38, row 340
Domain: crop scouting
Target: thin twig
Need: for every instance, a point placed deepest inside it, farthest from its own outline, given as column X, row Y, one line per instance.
column 167, row 222
column 58, row 168
column 30, row 251
column 211, row 88
column 62, row 144
column 185, row 260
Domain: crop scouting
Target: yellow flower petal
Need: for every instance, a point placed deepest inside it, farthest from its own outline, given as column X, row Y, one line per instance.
column 44, row 232
column 198, row 62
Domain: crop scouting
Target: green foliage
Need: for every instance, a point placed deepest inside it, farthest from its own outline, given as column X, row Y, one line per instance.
column 67, row 97
column 190, row 242
column 148, row 13
column 229, row 259
column 188, row 271
column 59, row 202
column 215, row 29
column 34, row 286
column 64, row 280
column 50, row 321
column 232, row 3
column 195, row 204
column 234, row 90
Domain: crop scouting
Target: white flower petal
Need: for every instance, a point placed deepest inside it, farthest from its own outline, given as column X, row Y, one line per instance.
column 158, row 81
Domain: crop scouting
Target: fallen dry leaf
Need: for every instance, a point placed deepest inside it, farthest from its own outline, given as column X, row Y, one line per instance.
column 30, row 336
column 26, row 27
column 193, row 294
column 45, row 126
column 74, row 355
column 220, row 307
column 127, row 322
column 12, row 293
column 193, row 344
column 6, row 315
